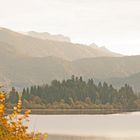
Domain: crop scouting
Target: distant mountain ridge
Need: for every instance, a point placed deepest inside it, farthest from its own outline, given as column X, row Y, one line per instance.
column 46, row 35
column 34, row 47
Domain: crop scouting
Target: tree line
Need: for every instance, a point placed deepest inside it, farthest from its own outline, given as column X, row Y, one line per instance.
column 76, row 93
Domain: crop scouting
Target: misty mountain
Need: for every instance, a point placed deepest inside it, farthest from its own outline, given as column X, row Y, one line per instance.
column 25, row 60
column 24, row 71
column 105, row 67
column 25, row 45
column 48, row 36
column 133, row 80
column 115, row 71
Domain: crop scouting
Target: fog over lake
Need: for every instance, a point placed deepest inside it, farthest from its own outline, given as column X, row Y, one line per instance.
column 101, row 127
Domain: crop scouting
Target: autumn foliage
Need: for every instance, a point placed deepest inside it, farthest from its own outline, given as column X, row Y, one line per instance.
column 12, row 126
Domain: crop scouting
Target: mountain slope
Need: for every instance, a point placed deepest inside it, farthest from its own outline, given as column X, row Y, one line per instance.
column 133, row 80
column 23, row 71
column 20, row 71
column 34, row 47
column 105, row 67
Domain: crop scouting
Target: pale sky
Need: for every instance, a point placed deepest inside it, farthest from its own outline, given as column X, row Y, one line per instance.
column 114, row 24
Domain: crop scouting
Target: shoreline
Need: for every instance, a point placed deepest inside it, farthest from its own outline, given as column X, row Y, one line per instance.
column 75, row 111
column 68, row 137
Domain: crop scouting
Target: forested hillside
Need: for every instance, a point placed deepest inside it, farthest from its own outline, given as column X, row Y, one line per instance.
column 75, row 93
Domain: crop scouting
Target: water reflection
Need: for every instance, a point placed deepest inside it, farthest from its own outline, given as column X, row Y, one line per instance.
column 64, row 137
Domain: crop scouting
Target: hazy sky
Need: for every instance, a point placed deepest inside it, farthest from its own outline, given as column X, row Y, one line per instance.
column 111, row 23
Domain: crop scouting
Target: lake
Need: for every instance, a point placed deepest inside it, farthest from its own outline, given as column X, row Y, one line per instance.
column 88, row 127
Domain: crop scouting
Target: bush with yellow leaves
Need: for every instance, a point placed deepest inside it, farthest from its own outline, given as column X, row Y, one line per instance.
column 12, row 127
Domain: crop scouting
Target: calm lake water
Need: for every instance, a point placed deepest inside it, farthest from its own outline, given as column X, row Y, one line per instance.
column 88, row 127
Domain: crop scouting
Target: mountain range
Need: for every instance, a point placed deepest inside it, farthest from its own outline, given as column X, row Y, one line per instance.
column 27, row 59
column 26, row 45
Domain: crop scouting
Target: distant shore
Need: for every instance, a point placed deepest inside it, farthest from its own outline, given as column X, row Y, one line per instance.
column 76, row 111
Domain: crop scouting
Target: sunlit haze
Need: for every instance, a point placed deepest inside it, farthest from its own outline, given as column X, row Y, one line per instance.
column 114, row 24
